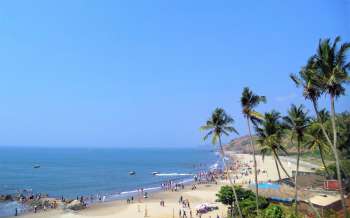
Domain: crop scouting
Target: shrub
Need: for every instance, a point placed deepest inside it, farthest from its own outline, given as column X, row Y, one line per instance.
column 246, row 200
column 273, row 211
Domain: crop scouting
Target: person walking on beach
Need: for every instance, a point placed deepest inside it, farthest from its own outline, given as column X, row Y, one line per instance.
column 16, row 212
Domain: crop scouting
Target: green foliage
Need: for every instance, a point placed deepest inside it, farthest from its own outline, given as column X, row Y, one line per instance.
column 249, row 101
column 329, row 213
column 326, row 73
column 218, row 124
column 332, row 66
column 246, row 200
column 225, row 195
column 343, row 122
column 345, row 169
column 248, row 205
column 297, row 121
column 273, row 211
column 243, row 194
column 270, row 133
column 290, row 212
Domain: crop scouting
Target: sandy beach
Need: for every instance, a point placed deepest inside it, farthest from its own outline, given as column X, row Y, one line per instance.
column 204, row 193
column 151, row 207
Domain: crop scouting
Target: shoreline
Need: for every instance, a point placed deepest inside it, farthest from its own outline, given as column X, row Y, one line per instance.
column 117, row 197
column 203, row 193
column 97, row 199
column 119, row 208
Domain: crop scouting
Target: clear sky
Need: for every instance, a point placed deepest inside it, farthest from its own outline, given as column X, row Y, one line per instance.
column 149, row 73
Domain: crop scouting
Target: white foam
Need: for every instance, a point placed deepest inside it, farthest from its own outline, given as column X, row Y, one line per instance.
column 129, row 192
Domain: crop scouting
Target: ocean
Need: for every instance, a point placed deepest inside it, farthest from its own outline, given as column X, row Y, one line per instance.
column 70, row 172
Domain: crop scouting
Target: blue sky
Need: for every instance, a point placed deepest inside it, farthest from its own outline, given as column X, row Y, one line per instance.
column 149, row 73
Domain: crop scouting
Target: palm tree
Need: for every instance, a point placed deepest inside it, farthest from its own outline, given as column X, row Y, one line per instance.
column 316, row 139
column 308, row 79
column 330, row 61
column 297, row 121
column 326, row 72
column 270, row 133
column 249, row 101
column 221, row 124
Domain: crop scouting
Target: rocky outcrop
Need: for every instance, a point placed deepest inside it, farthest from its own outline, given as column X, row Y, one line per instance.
column 75, row 205
column 6, row 198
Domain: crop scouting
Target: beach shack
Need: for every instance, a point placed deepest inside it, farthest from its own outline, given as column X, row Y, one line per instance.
column 322, row 203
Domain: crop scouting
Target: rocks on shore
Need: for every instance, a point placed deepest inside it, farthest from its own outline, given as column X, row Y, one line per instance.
column 75, row 205
column 6, row 198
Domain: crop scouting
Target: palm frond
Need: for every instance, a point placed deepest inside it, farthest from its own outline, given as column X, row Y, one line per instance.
column 219, row 124
column 207, row 135
column 296, row 79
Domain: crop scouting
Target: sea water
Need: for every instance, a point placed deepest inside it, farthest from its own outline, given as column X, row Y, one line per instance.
column 71, row 172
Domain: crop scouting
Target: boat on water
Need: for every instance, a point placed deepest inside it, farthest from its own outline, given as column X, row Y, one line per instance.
column 155, row 173
column 36, row 166
column 131, row 173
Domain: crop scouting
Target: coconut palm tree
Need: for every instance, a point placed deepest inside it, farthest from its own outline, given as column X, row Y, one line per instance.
column 316, row 138
column 310, row 80
column 221, row 124
column 330, row 62
column 270, row 133
column 297, row 121
column 249, row 101
column 326, row 72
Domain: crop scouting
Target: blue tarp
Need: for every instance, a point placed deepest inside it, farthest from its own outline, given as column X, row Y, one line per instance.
column 281, row 200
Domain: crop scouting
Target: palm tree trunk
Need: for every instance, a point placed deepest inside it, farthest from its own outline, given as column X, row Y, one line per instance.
column 336, row 155
column 321, row 124
column 255, row 170
column 295, row 180
column 229, row 178
column 333, row 146
column 322, row 158
column 325, row 135
column 280, row 163
column 278, row 169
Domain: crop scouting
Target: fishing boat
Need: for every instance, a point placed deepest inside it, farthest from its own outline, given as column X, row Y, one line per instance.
column 131, row 173
column 155, row 173
column 36, row 166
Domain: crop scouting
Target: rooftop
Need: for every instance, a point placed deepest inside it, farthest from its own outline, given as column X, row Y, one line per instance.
column 324, row 200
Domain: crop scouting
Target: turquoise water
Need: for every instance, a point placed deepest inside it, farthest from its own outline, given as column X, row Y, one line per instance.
column 78, row 171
